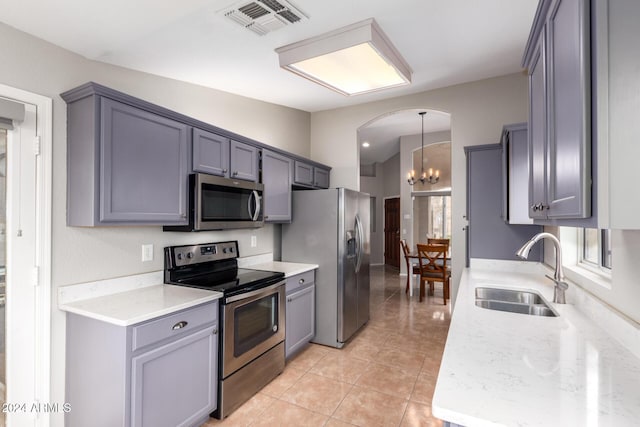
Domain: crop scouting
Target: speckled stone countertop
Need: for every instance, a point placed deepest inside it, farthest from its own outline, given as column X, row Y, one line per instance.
column 507, row 369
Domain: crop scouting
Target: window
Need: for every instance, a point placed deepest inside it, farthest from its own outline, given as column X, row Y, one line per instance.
column 596, row 248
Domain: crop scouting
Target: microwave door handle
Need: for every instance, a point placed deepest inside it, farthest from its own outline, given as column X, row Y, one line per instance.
column 251, row 196
column 256, row 213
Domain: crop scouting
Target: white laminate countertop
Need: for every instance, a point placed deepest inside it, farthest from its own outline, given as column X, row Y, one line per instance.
column 288, row 268
column 506, row 369
column 137, row 305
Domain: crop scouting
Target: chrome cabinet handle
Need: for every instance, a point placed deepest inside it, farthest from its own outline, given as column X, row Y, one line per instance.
column 224, row 171
column 180, row 325
column 215, row 331
column 301, row 281
column 235, row 173
column 289, row 300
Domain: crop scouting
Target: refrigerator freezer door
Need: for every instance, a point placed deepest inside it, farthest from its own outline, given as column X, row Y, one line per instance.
column 348, row 251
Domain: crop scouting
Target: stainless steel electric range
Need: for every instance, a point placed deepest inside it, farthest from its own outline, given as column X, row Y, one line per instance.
column 252, row 322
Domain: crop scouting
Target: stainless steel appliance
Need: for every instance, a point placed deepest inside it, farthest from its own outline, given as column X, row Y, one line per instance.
column 251, row 316
column 217, row 203
column 331, row 228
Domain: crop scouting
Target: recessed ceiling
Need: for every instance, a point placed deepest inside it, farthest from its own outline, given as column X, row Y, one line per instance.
column 444, row 42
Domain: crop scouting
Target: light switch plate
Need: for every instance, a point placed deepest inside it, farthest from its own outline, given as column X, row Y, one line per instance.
column 147, row 252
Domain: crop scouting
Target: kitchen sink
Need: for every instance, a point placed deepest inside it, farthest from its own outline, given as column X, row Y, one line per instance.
column 513, row 301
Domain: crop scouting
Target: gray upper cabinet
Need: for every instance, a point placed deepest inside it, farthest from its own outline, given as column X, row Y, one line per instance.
column 569, row 110
column 310, row 176
column 125, row 165
column 217, row 155
column 515, row 151
column 277, row 171
column 303, row 174
column 537, row 135
column 243, row 161
column 210, row 153
column 558, row 62
column 320, row 177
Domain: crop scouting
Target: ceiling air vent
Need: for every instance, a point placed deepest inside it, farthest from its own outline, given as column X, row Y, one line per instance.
column 264, row 16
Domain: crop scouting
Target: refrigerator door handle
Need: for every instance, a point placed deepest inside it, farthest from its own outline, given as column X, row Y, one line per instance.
column 359, row 234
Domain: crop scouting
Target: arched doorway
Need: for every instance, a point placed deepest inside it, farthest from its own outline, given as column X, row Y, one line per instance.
column 385, row 147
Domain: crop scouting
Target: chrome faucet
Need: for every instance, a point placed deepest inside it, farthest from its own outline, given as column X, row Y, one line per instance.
column 558, row 276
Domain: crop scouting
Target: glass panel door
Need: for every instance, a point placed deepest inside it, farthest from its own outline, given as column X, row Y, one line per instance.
column 431, row 218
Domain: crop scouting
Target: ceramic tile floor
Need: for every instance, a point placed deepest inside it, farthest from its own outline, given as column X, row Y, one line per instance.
column 384, row 376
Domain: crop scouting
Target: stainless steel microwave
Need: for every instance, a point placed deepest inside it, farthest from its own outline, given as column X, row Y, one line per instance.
column 217, row 203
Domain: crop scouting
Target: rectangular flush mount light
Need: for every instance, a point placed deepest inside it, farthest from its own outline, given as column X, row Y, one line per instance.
column 353, row 60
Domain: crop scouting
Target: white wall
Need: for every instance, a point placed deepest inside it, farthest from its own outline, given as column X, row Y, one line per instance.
column 478, row 112
column 86, row 254
column 383, row 185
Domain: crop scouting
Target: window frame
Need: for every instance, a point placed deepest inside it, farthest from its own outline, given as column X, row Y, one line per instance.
column 603, row 265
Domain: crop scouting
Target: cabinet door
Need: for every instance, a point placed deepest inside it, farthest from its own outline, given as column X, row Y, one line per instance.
column 175, row 384
column 569, row 156
column 518, row 176
column 489, row 236
column 320, row 177
column 143, row 166
column 276, row 177
column 244, row 161
column 210, row 153
column 537, row 132
column 303, row 173
column 300, row 319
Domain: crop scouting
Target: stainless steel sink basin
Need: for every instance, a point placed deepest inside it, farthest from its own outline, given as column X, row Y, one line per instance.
column 513, row 301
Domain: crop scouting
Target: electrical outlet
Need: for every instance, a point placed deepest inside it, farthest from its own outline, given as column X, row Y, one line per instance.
column 147, row 252
column 254, row 241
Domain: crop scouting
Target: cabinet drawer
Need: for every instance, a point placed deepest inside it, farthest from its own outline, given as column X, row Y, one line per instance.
column 173, row 325
column 299, row 280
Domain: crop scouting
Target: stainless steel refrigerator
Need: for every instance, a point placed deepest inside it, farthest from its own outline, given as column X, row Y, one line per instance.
column 331, row 228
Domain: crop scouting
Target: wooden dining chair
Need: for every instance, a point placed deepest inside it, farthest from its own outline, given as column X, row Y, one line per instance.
column 411, row 269
column 434, row 241
column 433, row 268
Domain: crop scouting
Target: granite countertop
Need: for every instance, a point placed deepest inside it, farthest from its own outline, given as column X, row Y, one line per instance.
column 507, row 369
column 288, row 268
column 127, row 301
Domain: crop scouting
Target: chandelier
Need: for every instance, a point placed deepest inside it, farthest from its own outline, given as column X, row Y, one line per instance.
column 432, row 178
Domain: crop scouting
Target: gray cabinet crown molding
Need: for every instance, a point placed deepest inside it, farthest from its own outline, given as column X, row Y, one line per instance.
column 92, row 88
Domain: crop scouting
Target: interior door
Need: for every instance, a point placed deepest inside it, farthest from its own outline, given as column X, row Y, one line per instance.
column 392, row 232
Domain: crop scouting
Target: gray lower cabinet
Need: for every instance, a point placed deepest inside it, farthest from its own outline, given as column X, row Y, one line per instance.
column 217, row 155
column 162, row 372
column 277, row 171
column 560, row 112
column 300, row 314
column 125, row 165
column 489, row 236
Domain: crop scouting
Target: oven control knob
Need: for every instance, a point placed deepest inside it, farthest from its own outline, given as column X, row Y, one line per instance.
column 224, row 250
column 189, row 255
column 230, row 250
column 275, row 328
column 179, row 256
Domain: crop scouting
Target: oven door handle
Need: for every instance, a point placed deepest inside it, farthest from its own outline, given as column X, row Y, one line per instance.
column 267, row 290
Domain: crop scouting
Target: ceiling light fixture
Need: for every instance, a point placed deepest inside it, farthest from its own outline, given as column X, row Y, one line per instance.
column 352, row 60
column 432, row 178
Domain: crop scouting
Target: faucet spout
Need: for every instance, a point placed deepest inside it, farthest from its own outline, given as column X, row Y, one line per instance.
column 558, row 276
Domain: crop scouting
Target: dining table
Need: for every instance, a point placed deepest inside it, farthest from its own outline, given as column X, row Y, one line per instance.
column 414, row 259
